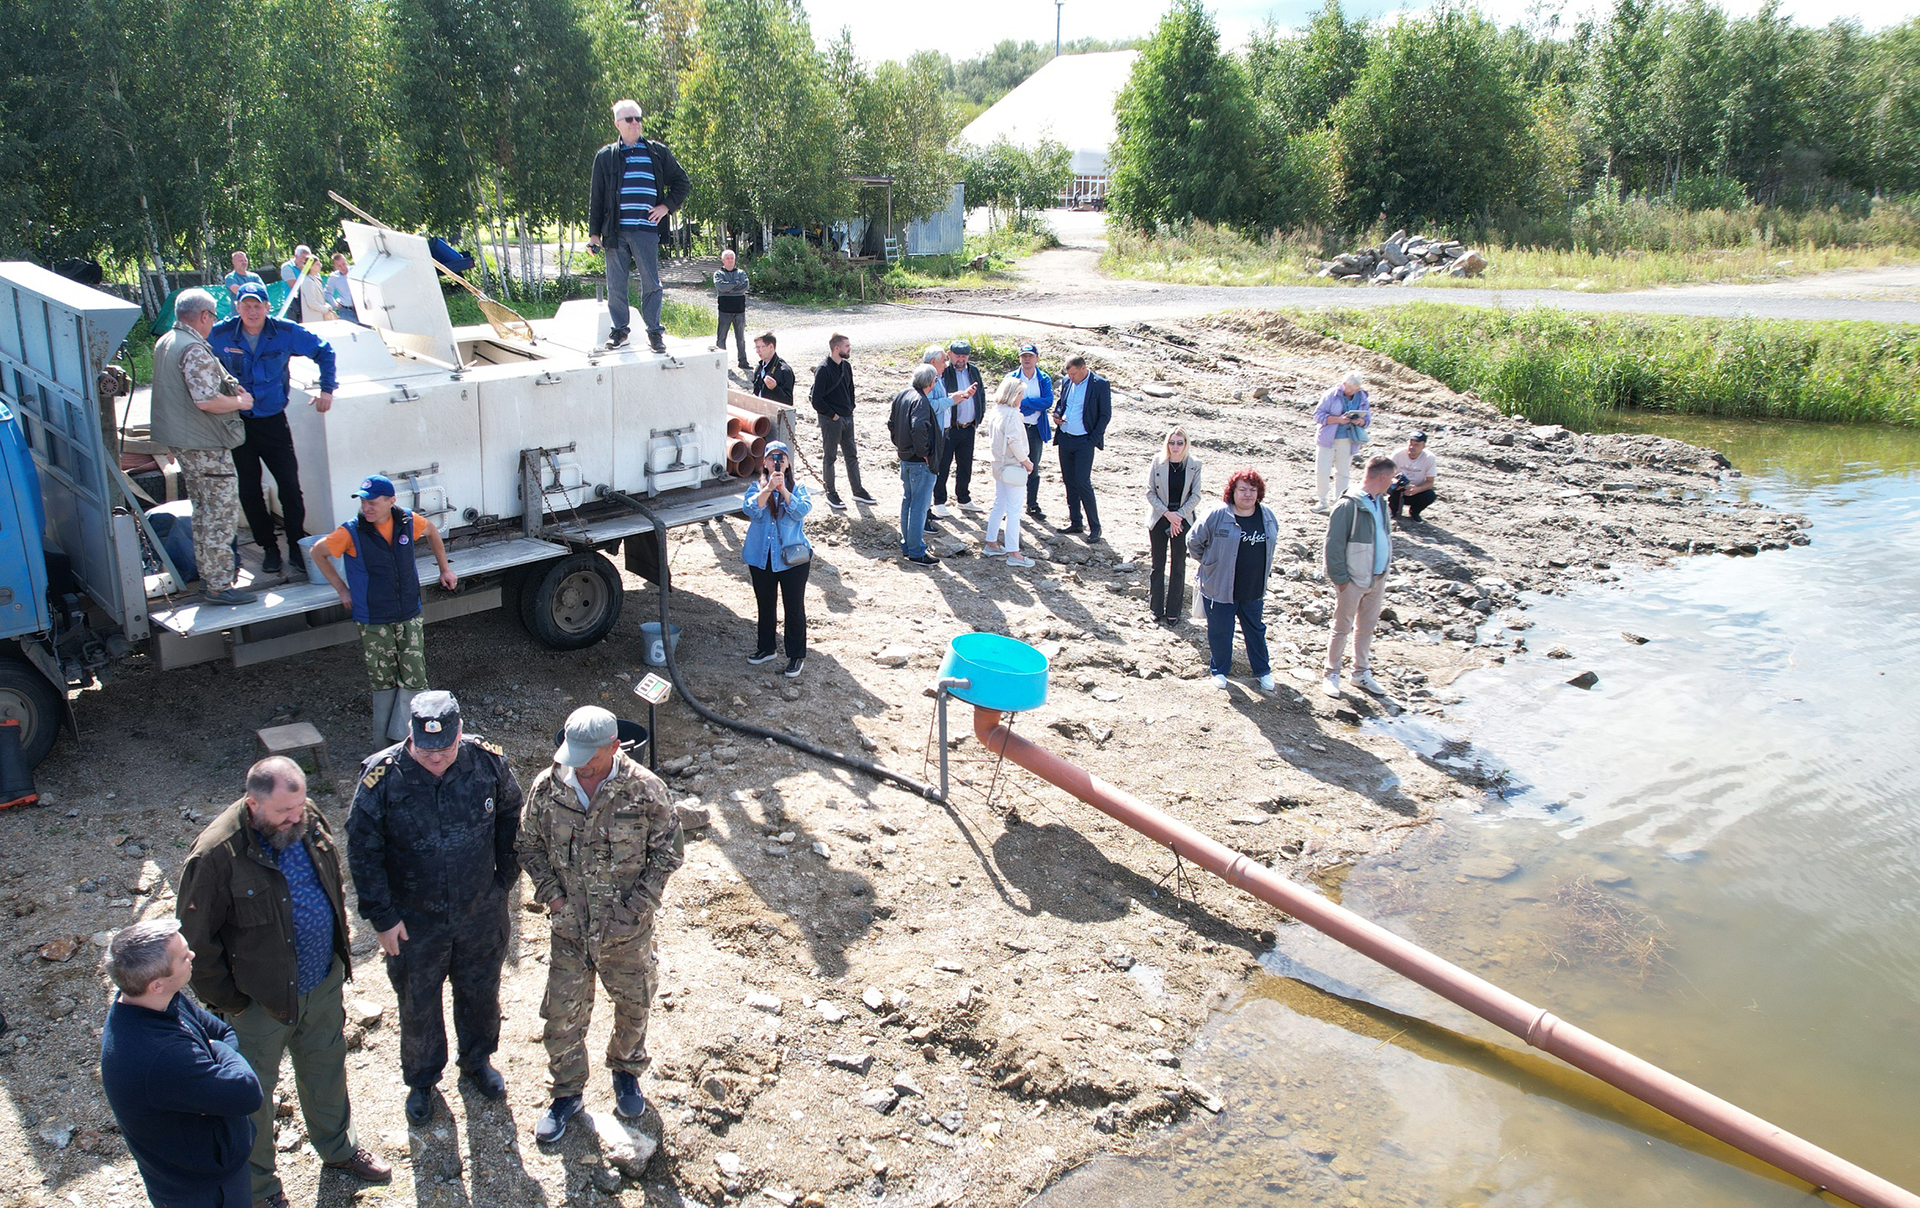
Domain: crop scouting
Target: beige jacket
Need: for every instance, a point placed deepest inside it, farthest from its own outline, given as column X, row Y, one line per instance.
column 1006, row 439
column 1157, row 502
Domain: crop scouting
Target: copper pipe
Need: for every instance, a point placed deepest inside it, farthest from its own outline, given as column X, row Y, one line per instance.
column 759, row 425
column 734, row 424
column 738, row 447
column 1643, row 1080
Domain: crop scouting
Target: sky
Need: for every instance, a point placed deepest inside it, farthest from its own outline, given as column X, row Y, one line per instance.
column 963, row 31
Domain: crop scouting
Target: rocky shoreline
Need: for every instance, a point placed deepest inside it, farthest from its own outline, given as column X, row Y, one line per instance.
column 867, row 997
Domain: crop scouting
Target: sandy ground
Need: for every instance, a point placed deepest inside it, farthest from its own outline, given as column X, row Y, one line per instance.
column 867, row 997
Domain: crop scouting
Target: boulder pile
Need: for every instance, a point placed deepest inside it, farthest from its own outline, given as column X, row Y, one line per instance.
column 1403, row 257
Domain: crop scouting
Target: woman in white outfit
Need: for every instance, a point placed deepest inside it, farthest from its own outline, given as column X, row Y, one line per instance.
column 1007, row 455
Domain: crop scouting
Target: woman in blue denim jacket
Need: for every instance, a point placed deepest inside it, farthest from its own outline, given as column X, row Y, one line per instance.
column 778, row 555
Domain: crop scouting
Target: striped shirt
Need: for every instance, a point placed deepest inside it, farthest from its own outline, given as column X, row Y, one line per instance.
column 639, row 191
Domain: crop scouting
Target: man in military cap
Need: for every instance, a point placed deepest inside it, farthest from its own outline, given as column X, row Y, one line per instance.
column 601, row 839
column 430, row 840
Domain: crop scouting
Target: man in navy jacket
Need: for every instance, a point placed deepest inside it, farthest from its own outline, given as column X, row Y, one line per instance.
column 179, row 1088
column 256, row 349
column 1080, row 426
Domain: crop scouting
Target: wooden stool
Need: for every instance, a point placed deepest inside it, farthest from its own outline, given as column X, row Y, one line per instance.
column 294, row 740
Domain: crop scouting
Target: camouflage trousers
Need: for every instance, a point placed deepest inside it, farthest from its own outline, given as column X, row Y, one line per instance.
column 629, row 970
column 396, row 654
column 216, row 512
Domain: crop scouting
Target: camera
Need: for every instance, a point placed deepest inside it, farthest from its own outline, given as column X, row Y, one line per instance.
column 1400, row 482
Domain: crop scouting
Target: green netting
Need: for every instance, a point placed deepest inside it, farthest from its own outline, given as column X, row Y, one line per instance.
column 276, row 295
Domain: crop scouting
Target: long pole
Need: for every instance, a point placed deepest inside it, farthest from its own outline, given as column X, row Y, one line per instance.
column 1613, row 1065
column 1056, row 26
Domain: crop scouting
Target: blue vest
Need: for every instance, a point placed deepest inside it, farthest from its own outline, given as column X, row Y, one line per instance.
column 382, row 578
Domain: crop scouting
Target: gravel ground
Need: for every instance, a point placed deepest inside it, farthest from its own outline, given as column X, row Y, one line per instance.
column 867, row 997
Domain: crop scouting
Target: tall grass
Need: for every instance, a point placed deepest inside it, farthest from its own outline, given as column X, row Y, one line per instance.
column 1572, row 369
column 1604, row 244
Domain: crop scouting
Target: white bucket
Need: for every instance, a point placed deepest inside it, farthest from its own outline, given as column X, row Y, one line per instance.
column 652, row 648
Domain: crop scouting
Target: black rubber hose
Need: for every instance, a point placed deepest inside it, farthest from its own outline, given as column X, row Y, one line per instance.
column 746, row 727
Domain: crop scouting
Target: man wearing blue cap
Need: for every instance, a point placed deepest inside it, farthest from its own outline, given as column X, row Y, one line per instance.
column 600, row 840
column 379, row 549
column 431, row 843
column 1036, row 400
column 257, row 349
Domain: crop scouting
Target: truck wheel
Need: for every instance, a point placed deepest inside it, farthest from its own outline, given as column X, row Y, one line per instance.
column 572, row 602
column 27, row 697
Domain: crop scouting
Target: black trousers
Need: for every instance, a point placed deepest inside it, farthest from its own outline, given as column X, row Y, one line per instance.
column 1076, row 472
column 1169, row 601
column 836, row 437
column 1034, row 448
column 1415, row 504
column 737, row 320
column 791, row 586
column 269, row 443
column 956, row 454
column 466, row 951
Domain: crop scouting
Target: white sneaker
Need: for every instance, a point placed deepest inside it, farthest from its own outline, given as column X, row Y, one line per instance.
column 1320, row 508
column 939, row 511
column 1019, row 560
column 1266, row 682
column 1220, row 681
column 992, row 551
column 1364, row 681
column 1331, row 685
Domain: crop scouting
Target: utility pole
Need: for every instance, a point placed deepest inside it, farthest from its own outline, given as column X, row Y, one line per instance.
column 1057, row 4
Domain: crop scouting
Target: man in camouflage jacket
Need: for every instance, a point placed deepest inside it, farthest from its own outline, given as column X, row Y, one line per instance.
column 599, row 842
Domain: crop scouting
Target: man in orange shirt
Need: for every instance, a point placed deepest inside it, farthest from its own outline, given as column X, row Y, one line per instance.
column 382, row 588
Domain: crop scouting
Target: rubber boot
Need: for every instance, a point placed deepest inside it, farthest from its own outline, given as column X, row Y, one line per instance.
column 382, row 717
column 402, row 724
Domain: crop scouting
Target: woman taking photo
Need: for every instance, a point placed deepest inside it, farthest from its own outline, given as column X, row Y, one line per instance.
column 1234, row 547
column 1008, row 458
column 777, row 554
column 1173, row 492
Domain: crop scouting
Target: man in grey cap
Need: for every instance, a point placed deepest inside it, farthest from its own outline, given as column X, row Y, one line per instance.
column 963, row 385
column 600, row 841
column 430, row 840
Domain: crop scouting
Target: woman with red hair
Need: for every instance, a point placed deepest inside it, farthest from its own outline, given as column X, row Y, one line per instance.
column 1233, row 547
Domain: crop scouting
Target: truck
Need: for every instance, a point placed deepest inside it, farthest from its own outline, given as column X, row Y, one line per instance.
column 530, row 446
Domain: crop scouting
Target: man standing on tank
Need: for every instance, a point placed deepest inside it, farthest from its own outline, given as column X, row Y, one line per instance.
column 637, row 184
column 431, row 843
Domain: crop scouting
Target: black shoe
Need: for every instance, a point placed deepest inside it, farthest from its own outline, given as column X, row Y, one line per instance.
column 628, row 1102
column 931, row 526
column 1094, row 535
column 746, row 367
column 762, row 656
column 925, row 560
column 553, row 1123
column 230, row 597
column 617, row 337
column 1072, row 528
column 420, row 1104
column 1036, row 513
column 296, row 560
column 657, row 341
column 836, row 503
column 487, row 1080
column 793, row 667
column 270, row 560
column 860, row 496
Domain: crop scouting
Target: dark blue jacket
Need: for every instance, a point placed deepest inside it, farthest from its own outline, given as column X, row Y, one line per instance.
column 1037, row 406
column 182, row 1094
column 1095, row 412
column 263, row 370
column 381, row 576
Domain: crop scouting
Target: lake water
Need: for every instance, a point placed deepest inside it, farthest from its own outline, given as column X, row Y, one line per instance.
column 1718, row 853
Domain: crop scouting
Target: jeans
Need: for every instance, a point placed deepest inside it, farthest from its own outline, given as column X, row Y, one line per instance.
column 1415, row 503
column 317, row 1040
column 737, row 320
column 956, row 453
column 790, row 585
column 1356, row 612
column 1034, row 446
column 1168, row 604
column 1220, row 618
column 836, row 436
column 269, row 443
column 630, row 249
column 1005, row 512
column 1336, row 463
column 1076, row 471
column 916, row 496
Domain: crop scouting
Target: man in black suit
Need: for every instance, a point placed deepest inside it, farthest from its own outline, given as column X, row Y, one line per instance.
column 1080, row 427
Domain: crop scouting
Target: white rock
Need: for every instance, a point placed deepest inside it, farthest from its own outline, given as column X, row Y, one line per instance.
column 894, row 656
column 728, row 1162
column 831, row 1012
column 626, row 1149
column 365, row 1012
column 874, row 997
column 764, row 1002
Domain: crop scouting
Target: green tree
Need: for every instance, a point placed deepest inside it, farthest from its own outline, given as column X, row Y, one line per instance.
column 899, row 124
column 1297, row 81
column 1184, row 141
column 1436, row 129
column 1014, row 179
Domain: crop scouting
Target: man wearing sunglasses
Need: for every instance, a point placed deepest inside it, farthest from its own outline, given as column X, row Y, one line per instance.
column 636, row 184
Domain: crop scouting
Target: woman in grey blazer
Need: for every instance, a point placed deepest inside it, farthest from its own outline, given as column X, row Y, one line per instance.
column 1234, row 544
column 1173, row 492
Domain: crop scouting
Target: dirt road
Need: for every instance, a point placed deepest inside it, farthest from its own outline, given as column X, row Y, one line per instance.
column 867, row 997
